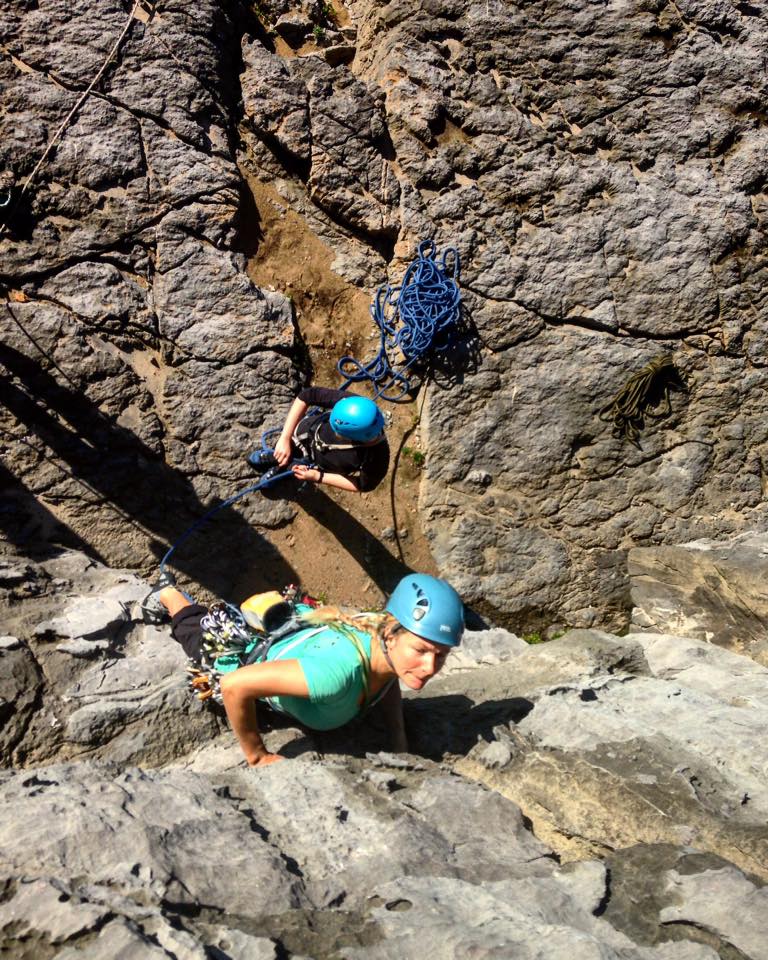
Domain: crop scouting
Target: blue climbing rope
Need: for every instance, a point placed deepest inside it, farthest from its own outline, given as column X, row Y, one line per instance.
column 415, row 319
column 266, row 481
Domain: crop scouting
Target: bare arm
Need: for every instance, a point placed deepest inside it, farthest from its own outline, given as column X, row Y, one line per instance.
column 242, row 688
column 392, row 709
column 302, row 472
column 283, row 446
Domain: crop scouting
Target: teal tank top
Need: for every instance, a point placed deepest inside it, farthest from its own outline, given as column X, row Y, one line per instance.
column 335, row 675
column 334, row 671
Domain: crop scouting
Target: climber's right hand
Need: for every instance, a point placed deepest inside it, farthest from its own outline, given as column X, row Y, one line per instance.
column 283, row 451
column 266, row 759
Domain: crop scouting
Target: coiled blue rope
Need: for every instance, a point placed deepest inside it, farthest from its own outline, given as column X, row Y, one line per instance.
column 415, row 319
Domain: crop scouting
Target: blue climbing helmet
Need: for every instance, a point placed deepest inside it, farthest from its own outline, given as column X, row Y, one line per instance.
column 428, row 607
column 357, row 418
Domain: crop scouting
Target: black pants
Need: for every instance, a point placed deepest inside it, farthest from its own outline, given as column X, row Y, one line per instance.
column 186, row 630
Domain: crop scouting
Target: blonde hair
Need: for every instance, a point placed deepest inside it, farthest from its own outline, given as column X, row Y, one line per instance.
column 370, row 622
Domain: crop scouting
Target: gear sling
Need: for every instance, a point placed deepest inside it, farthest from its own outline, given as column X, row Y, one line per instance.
column 233, row 638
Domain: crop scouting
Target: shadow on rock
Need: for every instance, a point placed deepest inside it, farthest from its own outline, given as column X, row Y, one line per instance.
column 27, row 524
column 384, row 569
column 447, row 368
column 112, row 464
column 455, row 723
column 436, row 726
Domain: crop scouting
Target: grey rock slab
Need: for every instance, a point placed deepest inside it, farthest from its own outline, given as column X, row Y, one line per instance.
column 339, row 54
column 14, row 572
column 87, row 618
column 85, row 649
column 343, row 830
column 219, row 314
column 110, row 704
column 293, row 30
column 21, row 684
column 647, row 902
column 706, row 668
column 100, row 293
column 488, row 832
column 707, row 589
column 162, row 836
column 546, row 540
column 619, row 758
column 484, row 648
column 722, row 901
column 122, row 940
column 236, row 945
column 617, row 710
column 47, row 914
column 461, row 707
column 47, row 908
column 338, row 831
column 393, row 761
column 496, row 754
column 99, row 694
column 276, row 102
column 536, row 918
column 123, row 258
column 349, row 178
column 214, row 758
column 539, row 668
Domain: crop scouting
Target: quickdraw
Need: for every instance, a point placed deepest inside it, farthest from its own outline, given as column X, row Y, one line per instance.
column 226, row 635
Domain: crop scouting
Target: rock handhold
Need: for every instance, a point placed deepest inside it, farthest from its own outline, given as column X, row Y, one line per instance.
column 87, row 618
column 710, row 590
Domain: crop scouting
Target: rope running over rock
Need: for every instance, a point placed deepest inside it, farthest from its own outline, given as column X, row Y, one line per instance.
column 268, row 480
column 65, row 122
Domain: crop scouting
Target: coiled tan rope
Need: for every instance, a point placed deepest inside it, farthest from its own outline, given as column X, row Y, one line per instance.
column 629, row 408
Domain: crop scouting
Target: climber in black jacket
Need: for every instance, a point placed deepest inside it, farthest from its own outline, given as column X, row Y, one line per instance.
column 344, row 441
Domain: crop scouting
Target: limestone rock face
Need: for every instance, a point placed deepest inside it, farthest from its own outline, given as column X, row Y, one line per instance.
column 523, row 920
column 711, row 590
column 654, row 739
column 84, row 675
column 595, row 790
column 131, row 333
column 601, row 174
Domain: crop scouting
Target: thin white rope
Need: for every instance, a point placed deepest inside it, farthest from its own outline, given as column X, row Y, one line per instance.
column 73, row 111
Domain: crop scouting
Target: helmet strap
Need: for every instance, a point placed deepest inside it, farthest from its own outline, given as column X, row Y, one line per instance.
column 384, row 650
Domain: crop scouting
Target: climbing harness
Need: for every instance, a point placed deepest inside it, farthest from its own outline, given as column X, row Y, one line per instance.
column 647, row 388
column 416, row 319
column 229, row 641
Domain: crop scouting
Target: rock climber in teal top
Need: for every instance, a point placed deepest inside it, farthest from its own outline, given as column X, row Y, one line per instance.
column 336, row 665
